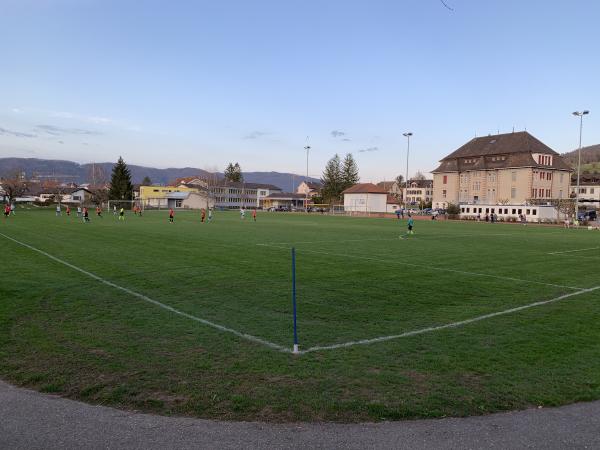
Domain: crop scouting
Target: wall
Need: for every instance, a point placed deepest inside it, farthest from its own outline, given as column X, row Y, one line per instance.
column 365, row 202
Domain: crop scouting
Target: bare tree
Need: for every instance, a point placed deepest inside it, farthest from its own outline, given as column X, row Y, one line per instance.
column 97, row 176
column 14, row 185
column 418, row 176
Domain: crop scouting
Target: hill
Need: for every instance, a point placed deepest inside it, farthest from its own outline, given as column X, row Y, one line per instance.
column 81, row 173
column 590, row 158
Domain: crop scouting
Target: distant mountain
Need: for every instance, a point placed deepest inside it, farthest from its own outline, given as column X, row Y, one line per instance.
column 81, row 173
column 590, row 157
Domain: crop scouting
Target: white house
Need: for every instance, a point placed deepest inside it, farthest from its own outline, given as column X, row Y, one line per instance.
column 589, row 190
column 366, row 198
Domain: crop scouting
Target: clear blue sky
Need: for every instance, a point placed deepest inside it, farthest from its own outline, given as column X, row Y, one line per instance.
column 202, row 83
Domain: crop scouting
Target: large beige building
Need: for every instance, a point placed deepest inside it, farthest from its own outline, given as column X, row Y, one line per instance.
column 505, row 168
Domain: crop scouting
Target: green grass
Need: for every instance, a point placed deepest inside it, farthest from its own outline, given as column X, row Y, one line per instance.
column 64, row 332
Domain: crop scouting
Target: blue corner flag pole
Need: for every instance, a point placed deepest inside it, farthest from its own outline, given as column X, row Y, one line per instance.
column 294, row 298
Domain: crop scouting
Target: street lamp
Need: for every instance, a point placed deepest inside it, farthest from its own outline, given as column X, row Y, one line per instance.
column 407, row 135
column 579, row 114
column 307, row 148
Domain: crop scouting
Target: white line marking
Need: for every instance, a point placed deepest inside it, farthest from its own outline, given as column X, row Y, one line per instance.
column 245, row 336
column 389, row 239
column 441, row 269
column 571, row 251
column 449, row 325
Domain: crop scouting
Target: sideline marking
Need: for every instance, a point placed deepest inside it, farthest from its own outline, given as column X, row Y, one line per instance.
column 245, row 336
column 442, row 269
column 448, row 325
column 571, row 251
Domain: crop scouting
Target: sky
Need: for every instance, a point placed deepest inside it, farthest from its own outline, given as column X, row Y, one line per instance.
column 202, row 83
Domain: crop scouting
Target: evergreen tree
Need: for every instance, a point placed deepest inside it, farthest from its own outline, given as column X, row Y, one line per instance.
column 146, row 181
column 349, row 172
column 120, row 182
column 233, row 172
column 332, row 180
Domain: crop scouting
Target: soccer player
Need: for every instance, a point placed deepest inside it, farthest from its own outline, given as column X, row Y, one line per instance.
column 242, row 213
column 98, row 212
column 202, row 215
column 254, row 214
column 58, row 210
column 68, row 211
column 410, row 224
column 114, row 210
column 6, row 210
column 171, row 215
column 122, row 214
column 79, row 211
column 86, row 215
column 210, row 214
column 12, row 209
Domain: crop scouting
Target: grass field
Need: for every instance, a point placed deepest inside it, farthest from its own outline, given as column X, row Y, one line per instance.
column 84, row 312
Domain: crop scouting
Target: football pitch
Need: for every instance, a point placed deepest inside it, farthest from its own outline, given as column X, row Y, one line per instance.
column 196, row 318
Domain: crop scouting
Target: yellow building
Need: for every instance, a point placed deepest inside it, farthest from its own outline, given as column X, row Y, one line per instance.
column 501, row 169
column 164, row 196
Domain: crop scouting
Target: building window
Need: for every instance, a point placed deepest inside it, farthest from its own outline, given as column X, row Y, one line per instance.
column 591, row 190
column 561, row 177
column 513, row 192
column 560, row 194
column 520, row 211
column 533, row 212
column 445, row 179
column 178, row 203
column 527, row 211
column 514, row 211
column 514, row 176
column 444, row 193
column 487, row 210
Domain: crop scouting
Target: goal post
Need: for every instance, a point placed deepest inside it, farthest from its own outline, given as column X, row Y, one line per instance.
column 126, row 204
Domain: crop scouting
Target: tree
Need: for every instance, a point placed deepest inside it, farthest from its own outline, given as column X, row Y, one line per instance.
column 399, row 180
column 99, row 196
column 418, row 176
column 146, row 181
column 14, row 185
column 120, row 182
column 453, row 209
column 332, row 180
column 233, row 172
column 96, row 175
column 349, row 172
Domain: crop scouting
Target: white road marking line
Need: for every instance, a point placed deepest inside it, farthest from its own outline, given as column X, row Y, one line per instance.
column 239, row 334
column 571, row 251
column 448, row 325
column 441, row 269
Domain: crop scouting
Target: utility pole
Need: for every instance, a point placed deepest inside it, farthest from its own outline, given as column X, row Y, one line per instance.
column 307, row 148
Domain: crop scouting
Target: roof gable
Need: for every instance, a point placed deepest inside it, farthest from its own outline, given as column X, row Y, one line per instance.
column 521, row 142
column 364, row 188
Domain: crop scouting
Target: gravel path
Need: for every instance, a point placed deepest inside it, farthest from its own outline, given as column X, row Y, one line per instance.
column 30, row 420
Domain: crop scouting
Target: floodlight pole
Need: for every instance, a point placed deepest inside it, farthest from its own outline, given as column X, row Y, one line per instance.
column 579, row 114
column 307, row 148
column 407, row 135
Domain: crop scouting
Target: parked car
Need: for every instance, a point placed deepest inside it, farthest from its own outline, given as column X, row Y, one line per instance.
column 587, row 215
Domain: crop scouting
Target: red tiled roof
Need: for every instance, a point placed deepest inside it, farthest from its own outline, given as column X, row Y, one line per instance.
column 364, row 188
